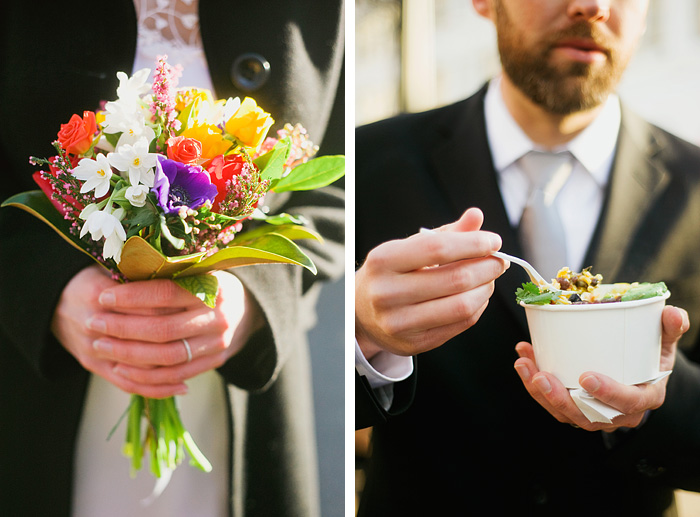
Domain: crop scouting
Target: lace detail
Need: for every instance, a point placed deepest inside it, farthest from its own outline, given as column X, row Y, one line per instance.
column 173, row 21
column 172, row 27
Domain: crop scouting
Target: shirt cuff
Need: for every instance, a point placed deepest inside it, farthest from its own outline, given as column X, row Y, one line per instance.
column 386, row 368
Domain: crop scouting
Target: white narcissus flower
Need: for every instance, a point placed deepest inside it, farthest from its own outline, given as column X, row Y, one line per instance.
column 95, row 173
column 130, row 89
column 129, row 119
column 136, row 161
column 105, row 223
column 136, row 195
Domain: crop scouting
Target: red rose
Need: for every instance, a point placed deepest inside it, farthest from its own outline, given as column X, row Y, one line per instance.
column 76, row 137
column 184, row 150
column 221, row 169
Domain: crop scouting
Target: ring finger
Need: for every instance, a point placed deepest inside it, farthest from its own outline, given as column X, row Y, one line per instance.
column 145, row 354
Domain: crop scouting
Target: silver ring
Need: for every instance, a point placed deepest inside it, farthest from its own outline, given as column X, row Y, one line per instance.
column 188, row 349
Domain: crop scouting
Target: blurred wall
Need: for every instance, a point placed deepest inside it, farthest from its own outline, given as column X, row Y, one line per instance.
column 412, row 55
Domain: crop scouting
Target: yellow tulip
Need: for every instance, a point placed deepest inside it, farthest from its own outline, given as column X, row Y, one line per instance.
column 211, row 137
column 249, row 124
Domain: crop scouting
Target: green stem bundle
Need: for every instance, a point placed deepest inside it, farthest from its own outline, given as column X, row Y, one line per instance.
column 163, row 438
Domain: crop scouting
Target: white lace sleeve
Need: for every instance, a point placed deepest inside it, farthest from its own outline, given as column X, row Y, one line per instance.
column 171, row 27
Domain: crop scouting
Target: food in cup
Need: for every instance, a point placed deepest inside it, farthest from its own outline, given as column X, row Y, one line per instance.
column 589, row 289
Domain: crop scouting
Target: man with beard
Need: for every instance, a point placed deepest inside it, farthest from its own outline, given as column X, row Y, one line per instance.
column 457, row 429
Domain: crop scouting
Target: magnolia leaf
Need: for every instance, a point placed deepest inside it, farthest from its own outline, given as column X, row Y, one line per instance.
column 141, row 261
column 291, row 231
column 204, row 287
column 279, row 219
column 313, row 174
column 271, row 164
column 268, row 249
column 36, row 203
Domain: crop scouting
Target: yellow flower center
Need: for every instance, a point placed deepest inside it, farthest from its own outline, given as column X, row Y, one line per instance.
column 102, row 173
column 137, row 161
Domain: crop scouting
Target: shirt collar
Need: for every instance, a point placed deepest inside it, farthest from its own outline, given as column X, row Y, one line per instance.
column 593, row 147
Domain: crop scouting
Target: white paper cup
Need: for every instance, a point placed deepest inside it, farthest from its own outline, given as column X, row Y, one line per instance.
column 621, row 339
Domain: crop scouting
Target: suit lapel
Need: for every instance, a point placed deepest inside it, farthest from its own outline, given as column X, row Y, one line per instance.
column 464, row 169
column 636, row 181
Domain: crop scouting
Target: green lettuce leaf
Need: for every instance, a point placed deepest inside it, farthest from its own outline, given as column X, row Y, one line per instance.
column 529, row 293
column 644, row 290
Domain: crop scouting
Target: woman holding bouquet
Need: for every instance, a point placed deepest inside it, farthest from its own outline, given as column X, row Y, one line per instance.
column 74, row 342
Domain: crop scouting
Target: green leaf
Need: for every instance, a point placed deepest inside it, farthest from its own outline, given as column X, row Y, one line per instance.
column 279, row 219
column 143, row 218
column 291, row 231
column 36, row 203
column 203, row 287
column 141, row 261
column 531, row 294
column 268, row 249
column 644, row 290
column 313, row 174
column 165, row 230
column 112, row 138
column 271, row 164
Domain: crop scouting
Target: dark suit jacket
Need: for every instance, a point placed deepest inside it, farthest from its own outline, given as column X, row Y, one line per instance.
column 472, row 438
column 61, row 59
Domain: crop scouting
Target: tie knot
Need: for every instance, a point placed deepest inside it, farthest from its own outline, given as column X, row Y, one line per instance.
column 547, row 172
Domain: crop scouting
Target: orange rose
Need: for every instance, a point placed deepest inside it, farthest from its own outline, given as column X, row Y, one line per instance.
column 76, row 137
column 184, row 150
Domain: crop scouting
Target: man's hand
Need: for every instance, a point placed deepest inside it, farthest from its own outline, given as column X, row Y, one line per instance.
column 632, row 401
column 131, row 334
column 414, row 294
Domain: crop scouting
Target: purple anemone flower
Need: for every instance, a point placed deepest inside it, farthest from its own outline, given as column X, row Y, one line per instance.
column 177, row 184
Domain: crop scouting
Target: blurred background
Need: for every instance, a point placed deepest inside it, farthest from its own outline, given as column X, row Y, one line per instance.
column 326, row 343
column 413, row 55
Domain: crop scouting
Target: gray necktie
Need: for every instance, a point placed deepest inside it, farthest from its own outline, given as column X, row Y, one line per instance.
column 541, row 231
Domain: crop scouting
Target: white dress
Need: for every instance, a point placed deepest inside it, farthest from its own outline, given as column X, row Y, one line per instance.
column 102, row 486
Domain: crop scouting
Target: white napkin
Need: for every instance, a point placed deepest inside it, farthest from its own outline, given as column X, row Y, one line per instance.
column 597, row 411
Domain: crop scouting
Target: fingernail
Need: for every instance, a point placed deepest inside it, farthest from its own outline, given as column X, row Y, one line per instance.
column 590, row 383
column 102, row 346
column 97, row 324
column 119, row 370
column 523, row 372
column 107, row 298
column 542, row 384
column 182, row 391
column 496, row 241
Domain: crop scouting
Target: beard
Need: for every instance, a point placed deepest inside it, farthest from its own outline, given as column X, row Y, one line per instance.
column 560, row 89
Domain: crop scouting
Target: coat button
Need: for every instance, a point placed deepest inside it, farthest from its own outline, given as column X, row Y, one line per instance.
column 249, row 72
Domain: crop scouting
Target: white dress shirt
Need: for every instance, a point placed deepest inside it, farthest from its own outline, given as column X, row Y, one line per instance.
column 580, row 201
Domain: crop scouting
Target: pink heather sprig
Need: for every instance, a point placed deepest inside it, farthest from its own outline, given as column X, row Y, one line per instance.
column 66, row 192
column 165, row 81
column 243, row 193
column 65, row 186
column 302, row 148
column 208, row 232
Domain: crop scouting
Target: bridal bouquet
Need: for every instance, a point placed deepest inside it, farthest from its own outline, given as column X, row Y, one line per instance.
column 170, row 183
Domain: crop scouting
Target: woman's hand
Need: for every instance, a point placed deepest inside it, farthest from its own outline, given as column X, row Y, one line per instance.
column 133, row 334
